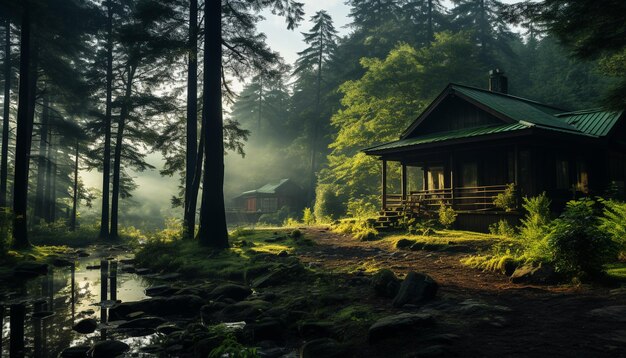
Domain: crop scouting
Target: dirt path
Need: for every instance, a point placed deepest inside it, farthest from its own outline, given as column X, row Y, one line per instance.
column 550, row 321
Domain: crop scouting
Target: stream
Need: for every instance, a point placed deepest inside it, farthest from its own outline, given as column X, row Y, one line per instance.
column 67, row 300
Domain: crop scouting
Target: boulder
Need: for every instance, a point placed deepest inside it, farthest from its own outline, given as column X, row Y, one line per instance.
column 142, row 323
column 183, row 305
column 85, row 326
column 316, row 329
column 232, row 291
column 143, row 271
column 247, row 311
column 535, row 274
column 399, row 325
column 404, row 244
column 416, row 288
column 270, row 329
column 279, row 275
column 28, row 269
column 385, row 283
column 161, row 291
column 168, row 328
column 108, row 349
column 323, row 347
column 82, row 253
column 75, row 352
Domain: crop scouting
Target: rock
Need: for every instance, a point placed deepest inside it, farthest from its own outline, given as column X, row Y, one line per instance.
column 184, row 305
column 209, row 312
column 398, row 325
column 232, row 291
column 142, row 323
column 316, row 329
column 271, row 329
column 29, row 269
column 134, row 315
column 274, row 352
column 541, row 274
column 609, row 313
column 85, row 326
column 458, row 248
column 87, row 312
column 416, row 288
column 82, row 253
column 404, row 243
column 385, row 283
column 168, row 328
column 280, row 274
column 75, row 352
column 173, row 276
column 432, row 351
column 323, row 347
column 108, row 349
column 160, row 291
column 247, row 311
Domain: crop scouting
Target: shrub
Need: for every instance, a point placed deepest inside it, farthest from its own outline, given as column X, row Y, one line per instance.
column 447, row 215
column 328, row 204
column 360, row 229
column 507, row 199
column 613, row 221
column 577, row 244
column 362, row 207
column 535, row 227
column 307, row 216
column 277, row 218
column 502, row 228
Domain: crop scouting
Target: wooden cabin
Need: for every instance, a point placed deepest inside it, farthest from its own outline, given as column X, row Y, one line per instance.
column 469, row 143
column 271, row 197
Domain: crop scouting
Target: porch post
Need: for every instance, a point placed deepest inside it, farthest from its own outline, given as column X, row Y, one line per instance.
column 452, row 179
column 384, row 184
column 403, row 183
column 516, row 176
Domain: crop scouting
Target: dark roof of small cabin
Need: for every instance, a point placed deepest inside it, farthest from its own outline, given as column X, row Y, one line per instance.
column 269, row 188
column 517, row 114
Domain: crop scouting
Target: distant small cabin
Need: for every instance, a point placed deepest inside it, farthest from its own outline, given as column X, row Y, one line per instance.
column 271, row 197
column 470, row 143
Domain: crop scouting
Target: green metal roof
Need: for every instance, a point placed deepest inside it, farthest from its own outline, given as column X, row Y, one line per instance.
column 443, row 136
column 269, row 188
column 594, row 122
column 516, row 108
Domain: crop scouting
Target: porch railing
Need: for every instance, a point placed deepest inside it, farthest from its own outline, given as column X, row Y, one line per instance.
column 475, row 198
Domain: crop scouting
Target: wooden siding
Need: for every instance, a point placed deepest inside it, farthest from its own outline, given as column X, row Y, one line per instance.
column 454, row 114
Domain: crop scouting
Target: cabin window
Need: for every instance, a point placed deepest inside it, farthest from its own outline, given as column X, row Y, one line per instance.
column 269, row 204
column 251, row 204
column 414, row 178
column 582, row 176
column 436, row 178
column 562, row 174
column 469, row 174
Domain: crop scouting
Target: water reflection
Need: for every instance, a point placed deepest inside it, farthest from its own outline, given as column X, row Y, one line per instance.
column 55, row 302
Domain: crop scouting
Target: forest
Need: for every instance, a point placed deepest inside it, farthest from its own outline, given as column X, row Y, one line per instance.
column 173, row 186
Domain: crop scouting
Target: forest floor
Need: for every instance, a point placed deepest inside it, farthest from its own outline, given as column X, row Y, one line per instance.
column 502, row 319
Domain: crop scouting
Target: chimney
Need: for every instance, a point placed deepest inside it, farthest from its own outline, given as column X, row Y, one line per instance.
column 498, row 81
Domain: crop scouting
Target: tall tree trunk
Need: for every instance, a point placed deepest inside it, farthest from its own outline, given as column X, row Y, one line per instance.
column 24, row 130
column 42, row 161
column 117, row 156
column 192, row 122
column 312, row 176
column 195, row 185
column 52, row 181
column 106, row 164
column 430, row 31
column 213, row 231
column 258, row 118
column 75, row 191
column 47, row 193
column 4, row 165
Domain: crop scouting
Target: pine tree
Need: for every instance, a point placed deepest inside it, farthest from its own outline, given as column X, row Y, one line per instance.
column 4, row 152
column 322, row 44
column 372, row 14
column 426, row 17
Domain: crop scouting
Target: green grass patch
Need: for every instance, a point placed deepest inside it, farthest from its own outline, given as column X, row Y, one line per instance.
column 616, row 270
column 446, row 237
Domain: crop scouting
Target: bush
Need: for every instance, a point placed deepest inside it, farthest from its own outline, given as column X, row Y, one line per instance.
column 328, row 204
column 363, row 207
column 277, row 218
column 447, row 215
column 360, row 229
column 506, row 200
column 613, row 221
column 502, row 228
column 535, row 227
column 307, row 216
column 577, row 244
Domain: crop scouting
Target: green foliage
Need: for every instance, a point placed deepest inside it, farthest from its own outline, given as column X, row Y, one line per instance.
column 307, row 216
column 360, row 228
column 277, row 218
column 328, row 203
column 363, row 207
column 503, row 264
column 577, row 244
column 447, row 215
column 231, row 348
column 507, row 200
column 613, row 221
column 535, row 227
column 502, row 228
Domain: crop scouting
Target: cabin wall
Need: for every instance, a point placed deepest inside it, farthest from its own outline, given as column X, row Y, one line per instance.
column 456, row 114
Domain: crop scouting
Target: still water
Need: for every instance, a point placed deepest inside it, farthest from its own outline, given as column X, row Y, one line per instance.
column 71, row 300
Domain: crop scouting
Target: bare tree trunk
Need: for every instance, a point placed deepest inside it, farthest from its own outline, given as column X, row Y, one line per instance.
column 75, row 187
column 4, row 165
column 52, row 181
column 106, row 164
column 24, row 130
column 213, row 231
column 117, row 156
column 42, row 161
column 47, row 195
column 192, row 123
column 195, row 186
column 312, row 176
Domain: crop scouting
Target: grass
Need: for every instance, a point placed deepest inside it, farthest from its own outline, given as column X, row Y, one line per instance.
column 446, row 237
column 192, row 260
column 617, row 270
